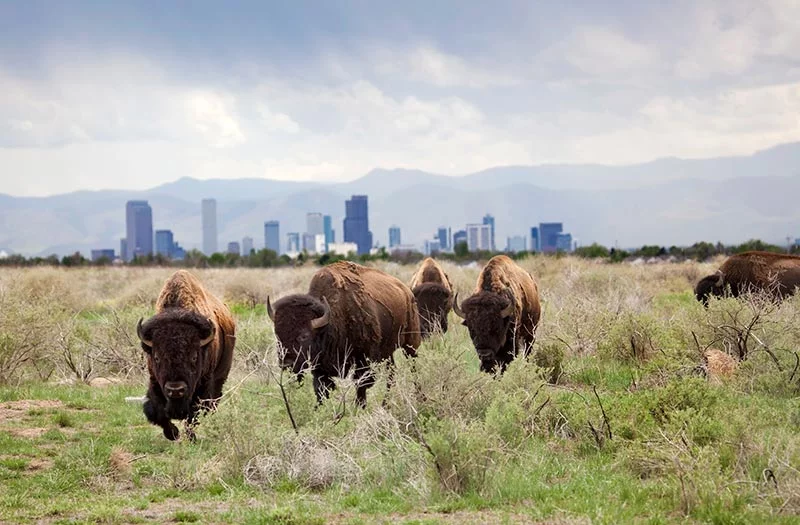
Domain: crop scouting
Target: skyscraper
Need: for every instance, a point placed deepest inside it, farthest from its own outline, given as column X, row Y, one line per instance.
column 535, row 239
column 394, row 236
column 165, row 243
column 247, row 246
column 233, row 248
column 292, row 242
column 272, row 237
column 443, row 234
column 327, row 226
column 460, row 237
column 315, row 223
column 564, row 242
column 479, row 237
column 123, row 249
column 489, row 221
column 548, row 243
column 356, row 223
column 138, row 229
column 516, row 244
column 208, row 212
column 103, row 254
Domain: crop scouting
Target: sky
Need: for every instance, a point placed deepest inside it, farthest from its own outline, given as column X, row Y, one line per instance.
column 129, row 95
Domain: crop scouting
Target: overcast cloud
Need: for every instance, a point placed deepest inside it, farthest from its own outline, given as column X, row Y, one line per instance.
column 130, row 95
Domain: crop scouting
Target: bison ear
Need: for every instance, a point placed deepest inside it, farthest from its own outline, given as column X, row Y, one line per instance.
column 147, row 345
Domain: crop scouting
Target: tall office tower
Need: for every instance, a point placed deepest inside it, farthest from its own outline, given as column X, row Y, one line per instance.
column 535, row 239
column 247, row 246
column 165, row 243
column 208, row 212
column 272, row 236
column 356, row 223
column 479, row 237
column 489, row 220
column 327, row 226
column 549, row 236
column 138, row 229
column 394, row 236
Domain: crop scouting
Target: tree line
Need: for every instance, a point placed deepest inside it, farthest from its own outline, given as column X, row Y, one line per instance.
column 265, row 258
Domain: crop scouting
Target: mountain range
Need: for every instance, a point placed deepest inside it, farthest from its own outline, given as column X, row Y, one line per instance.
column 667, row 201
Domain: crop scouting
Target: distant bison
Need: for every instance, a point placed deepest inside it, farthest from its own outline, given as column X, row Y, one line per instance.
column 189, row 346
column 502, row 313
column 352, row 316
column 434, row 293
column 777, row 274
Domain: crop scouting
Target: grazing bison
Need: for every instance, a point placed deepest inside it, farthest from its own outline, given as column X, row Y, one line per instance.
column 502, row 313
column 776, row 273
column 434, row 293
column 351, row 316
column 189, row 345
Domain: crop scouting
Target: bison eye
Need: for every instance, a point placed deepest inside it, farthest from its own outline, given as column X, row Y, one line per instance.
column 156, row 358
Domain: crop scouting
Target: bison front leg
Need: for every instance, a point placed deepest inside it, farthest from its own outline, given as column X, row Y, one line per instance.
column 154, row 411
column 323, row 386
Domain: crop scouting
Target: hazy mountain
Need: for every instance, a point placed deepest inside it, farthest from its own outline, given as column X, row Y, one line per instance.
column 669, row 201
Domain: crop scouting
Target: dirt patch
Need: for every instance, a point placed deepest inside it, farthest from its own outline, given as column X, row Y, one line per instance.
column 462, row 516
column 164, row 511
column 38, row 464
column 16, row 410
column 28, row 433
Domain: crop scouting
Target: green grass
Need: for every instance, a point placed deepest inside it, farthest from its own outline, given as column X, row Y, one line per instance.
column 631, row 433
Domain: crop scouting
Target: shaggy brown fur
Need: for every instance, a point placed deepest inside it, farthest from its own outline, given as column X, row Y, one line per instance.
column 370, row 315
column 434, row 293
column 775, row 273
column 185, row 316
column 502, row 284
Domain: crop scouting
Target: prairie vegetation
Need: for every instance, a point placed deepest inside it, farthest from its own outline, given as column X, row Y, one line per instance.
column 637, row 405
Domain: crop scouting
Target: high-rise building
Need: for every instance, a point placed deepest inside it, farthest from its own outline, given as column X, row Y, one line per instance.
column 548, row 242
column 165, row 243
column 394, row 236
column 459, row 237
column 272, row 236
column 443, row 234
column 564, row 242
column 208, row 215
column 489, row 221
column 247, row 246
column 178, row 253
column 234, row 248
column 103, row 254
column 315, row 223
column 535, row 239
column 356, row 223
column 516, row 244
column 139, row 229
column 432, row 246
column 123, row 249
column 314, row 243
column 327, row 227
column 292, row 242
column 479, row 237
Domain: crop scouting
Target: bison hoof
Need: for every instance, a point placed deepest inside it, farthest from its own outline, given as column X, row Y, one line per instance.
column 171, row 432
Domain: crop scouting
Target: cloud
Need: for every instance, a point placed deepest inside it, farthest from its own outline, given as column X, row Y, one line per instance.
column 277, row 122
column 600, row 51
column 212, row 116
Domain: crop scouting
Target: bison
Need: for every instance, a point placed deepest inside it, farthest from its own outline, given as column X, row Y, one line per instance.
column 352, row 316
column 776, row 273
column 189, row 350
column 502, row 313
column 434, row 294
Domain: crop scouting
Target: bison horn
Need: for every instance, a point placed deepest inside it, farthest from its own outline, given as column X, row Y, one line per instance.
column 270, row 311
column 141, row 336
column 319, row 322
column 508, row 310
column 720, row 279
column 457, row 308
column 211, row 335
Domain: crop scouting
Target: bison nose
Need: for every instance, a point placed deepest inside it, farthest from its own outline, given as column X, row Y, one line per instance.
column 175, row 389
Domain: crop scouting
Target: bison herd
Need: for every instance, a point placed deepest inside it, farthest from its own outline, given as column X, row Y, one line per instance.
column 354, row 316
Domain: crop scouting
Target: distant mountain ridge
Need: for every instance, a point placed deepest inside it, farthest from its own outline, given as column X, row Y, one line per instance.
column 667, row 201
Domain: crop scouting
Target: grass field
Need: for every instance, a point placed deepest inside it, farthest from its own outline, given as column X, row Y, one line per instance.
column 616, row 418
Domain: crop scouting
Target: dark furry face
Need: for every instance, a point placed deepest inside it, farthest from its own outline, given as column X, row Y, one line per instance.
column 176, row 355
column 434, row 302
column 299, row 343
column 706, row 287
column 487, row 328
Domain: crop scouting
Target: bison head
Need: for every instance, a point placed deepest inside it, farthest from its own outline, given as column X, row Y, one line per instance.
column 176, row 342
column 710, row 285
column 300, row 324
column 433, row 302
column 488, row 317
